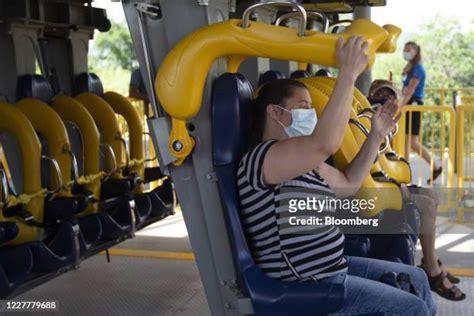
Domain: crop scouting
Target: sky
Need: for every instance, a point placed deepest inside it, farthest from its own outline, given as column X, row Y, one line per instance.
column 407, row 14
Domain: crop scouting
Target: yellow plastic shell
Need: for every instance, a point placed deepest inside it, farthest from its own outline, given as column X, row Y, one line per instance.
column 48, row 123
column 71, row 110
column 122, row 106
column 15, row 122
column 106, row 121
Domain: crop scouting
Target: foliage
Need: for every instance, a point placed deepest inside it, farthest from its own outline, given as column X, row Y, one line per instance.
column 113, row 57
column 448, row 57
column 447, row 50
column 114, row 48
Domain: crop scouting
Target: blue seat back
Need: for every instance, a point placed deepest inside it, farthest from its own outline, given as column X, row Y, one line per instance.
column 300, row 74
column 88, row 82
column 34, row 86
column 269, row 76
column 323, row 73
column 37, row 87
column 231, row 101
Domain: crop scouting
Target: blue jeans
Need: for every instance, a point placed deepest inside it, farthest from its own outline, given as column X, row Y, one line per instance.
column 366, row 295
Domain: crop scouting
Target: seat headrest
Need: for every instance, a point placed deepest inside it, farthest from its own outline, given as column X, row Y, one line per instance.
column 231, row 102
column 269, row 76
column 300, row 74
column 34, row 86
column 323, row 73
column 88, row 82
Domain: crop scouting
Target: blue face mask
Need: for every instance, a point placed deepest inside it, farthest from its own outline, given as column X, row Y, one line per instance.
column 303, row 122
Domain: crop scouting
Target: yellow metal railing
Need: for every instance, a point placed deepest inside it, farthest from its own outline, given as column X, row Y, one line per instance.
column 467, row 100
column 465, row 151
column 438, row 136
column 447, row 95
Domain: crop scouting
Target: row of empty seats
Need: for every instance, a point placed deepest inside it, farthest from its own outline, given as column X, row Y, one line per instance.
column 71, row 184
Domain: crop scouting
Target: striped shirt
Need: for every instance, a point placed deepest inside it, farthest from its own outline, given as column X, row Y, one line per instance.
column 283, row 251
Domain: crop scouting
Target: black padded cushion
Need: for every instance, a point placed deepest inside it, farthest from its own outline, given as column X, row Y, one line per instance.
column 269, row 76
column 88, row 82
column 300, row 74
column 231, row 99
column 323, row 73
column 34, row 86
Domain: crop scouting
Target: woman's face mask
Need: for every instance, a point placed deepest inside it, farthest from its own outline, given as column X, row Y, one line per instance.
column 408, row 55
column 303, row 122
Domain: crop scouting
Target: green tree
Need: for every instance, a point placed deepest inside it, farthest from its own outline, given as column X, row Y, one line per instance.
column 114, row 48
column 448, row 57
column 447, row 50
column 112, row 58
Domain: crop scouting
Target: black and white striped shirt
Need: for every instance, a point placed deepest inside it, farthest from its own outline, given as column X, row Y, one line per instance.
column 289, row 253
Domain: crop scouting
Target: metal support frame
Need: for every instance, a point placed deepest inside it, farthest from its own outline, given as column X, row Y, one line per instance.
column 194, row 181
column 365, row 79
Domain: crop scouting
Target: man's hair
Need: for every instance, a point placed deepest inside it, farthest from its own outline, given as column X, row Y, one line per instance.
column 272, row 92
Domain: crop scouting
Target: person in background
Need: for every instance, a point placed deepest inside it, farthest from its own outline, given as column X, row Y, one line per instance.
column 441, row 281
column 413, row 92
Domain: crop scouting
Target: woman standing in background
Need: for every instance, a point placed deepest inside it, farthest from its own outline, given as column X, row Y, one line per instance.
column 413, row 92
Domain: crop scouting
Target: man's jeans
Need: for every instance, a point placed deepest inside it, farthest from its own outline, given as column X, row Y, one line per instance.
column 366, row 295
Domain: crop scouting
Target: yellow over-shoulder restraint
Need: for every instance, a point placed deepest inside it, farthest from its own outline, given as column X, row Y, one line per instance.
column 396, row 169
column 387, row 195
column 180, row 93
column 15, row 122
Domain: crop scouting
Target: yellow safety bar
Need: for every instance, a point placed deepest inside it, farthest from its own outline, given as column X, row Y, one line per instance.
column 122, row 106
column 69, row 109
column 106, row 121
column 181, row 77
column 388, row 195
column 16, row 123
column 395, row 168
column 48, row 123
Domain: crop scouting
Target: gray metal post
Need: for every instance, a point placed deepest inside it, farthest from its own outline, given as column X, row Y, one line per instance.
column 365, row 79
column 194, row 181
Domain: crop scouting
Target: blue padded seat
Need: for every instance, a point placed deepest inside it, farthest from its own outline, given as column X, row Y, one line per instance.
column 269, row 76
column 88, row 82
column 300, row 74
column 34, row 86
column 231, row 101
column 323, row 73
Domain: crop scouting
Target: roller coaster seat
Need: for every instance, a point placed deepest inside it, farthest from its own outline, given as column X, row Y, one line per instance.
column 37, row 87
column 150, row 206
column 231, row 103
column 269, row 76
column 300, row 74
column 88, row 82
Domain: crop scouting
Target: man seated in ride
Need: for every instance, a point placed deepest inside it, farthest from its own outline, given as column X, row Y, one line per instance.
column 441, row 281
column 287, row 162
